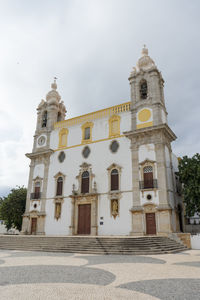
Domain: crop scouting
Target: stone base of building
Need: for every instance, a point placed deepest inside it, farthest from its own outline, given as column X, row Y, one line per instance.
column 150, row 220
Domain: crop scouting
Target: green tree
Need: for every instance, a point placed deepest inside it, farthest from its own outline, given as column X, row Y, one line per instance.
column 189, row 175
column 12, row 207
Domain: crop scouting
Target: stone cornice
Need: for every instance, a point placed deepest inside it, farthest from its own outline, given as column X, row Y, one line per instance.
column 47, row 152
column 86, row 196
column 142, row 133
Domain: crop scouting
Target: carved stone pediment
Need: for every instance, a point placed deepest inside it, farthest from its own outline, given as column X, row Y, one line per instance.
column 146, row 161
column 59, row 174
column 38, row 178
column 114, row 166
column 148, row 208
column 85, row 166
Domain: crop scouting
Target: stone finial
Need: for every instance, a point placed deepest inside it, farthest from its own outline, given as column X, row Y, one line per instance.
column 144, row 51
column 54, row 84
column 145, row 62
column 53, row 96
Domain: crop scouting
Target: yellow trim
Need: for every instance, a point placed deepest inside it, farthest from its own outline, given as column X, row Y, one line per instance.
column 62, row 132
column 124, row 107
column 92, row 142
column 148, row 124
column 112, row 119
column 83, row 127
column 144, row 115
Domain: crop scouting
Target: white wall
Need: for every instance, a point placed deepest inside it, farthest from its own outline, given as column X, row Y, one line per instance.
column 100, row 159
column 195, row 241
column 38, row 171
column 147, row 152
column 121, row 225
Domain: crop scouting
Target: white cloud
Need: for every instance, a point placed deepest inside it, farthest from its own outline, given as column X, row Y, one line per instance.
column 91, row 46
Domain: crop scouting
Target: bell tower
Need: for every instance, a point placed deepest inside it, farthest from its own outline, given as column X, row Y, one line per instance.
column 48, row 112
column 151, row 138
column 147, row 95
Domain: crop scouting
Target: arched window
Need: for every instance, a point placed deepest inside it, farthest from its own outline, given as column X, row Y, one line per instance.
column 63, row 137
column 37, row 190
column 85, row 182
column 114, row 180
column 114, row 126
column 143, row 89
column 59, row 186
column 44, row 119
column 87, row 133
column 148, row 177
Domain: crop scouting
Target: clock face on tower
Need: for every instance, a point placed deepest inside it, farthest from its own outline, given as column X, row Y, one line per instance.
column 41, row 140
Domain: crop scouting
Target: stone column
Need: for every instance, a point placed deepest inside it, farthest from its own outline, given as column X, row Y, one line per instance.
column 136, row 210
column 71, row 227
column 45, row 182
column 30, row 182
column 164, row 209
column 94, row 216
column 135, row 174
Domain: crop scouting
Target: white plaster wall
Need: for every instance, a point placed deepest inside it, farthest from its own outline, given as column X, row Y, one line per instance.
column 38, row 171
column 100, row 159
column 60, row 226
column 154, row 197
column 147, row 152
column 121, row 225
column 195, row 241
column 32, row 203
column 100, row 130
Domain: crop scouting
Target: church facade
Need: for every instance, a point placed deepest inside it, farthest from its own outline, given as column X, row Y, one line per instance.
column 110, row 172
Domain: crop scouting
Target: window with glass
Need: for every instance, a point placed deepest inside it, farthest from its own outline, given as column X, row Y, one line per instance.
column 85, row 182
column 59, row 186
column 114, row 180
column 148, row 177
column 37, row 190
column 87, row 133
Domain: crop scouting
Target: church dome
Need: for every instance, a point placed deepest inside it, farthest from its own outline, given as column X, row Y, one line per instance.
column 145, row 61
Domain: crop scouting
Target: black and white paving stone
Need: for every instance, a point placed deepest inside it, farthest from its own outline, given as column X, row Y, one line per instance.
column 46, row 275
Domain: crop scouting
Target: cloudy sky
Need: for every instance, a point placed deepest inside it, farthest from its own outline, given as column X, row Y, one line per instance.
column 91, row 46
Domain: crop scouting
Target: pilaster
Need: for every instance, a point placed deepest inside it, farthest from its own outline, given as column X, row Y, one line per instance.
column 135, row 173
column 162, row 175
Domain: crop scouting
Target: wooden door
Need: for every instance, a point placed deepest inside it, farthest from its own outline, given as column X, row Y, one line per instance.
column 148, row 180
column 33, row 225
column 150, row 223
column 84, row 218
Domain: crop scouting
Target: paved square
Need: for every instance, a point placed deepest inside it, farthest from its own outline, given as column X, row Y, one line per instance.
column 42, row 275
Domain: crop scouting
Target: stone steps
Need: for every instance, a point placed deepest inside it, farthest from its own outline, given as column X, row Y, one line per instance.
column 93, row 245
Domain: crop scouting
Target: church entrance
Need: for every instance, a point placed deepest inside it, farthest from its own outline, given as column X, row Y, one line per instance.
column 150, row 223
column 84, row 218
column 33, row 225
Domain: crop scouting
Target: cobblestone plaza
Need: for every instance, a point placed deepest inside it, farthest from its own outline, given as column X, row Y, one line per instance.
column 42, row 275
